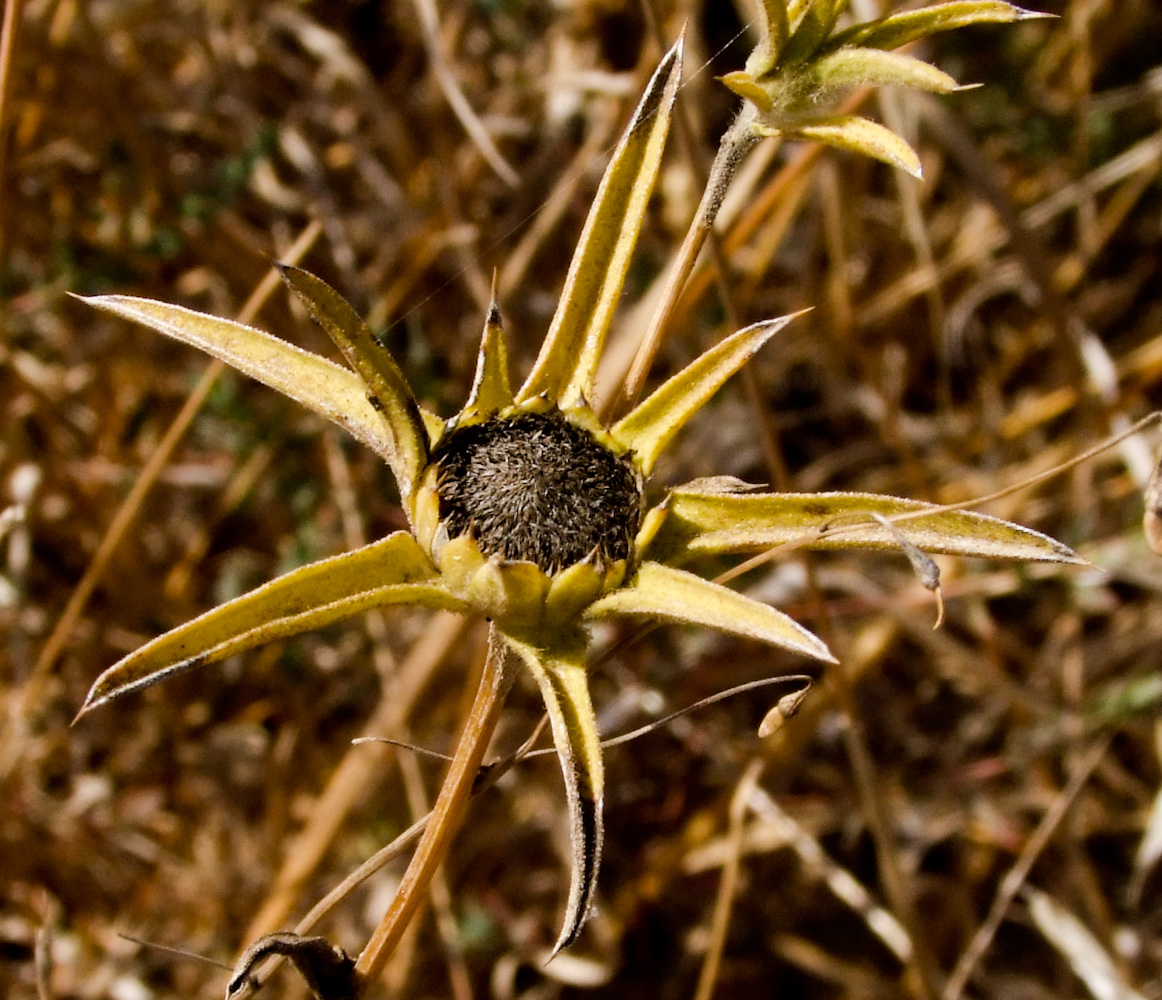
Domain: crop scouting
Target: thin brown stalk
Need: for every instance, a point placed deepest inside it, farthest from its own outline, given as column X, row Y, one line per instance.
column 922, row 968
column 9, row 34
column 448, row 813
column 1016, row 876
column 458, row 976
column 720, row 922
column 426, row 10
column 357, row 775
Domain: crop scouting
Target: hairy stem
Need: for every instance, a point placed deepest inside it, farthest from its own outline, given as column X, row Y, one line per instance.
column 738, row 140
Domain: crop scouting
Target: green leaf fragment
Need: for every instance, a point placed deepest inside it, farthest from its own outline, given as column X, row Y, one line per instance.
column 908, row 26
column 388, row 392
column 675, row 595
column 649, row 428
column 393, row 570
column 856, row 135
column 745, row 85
column 809, row 32
column 858, row 67
column 773, row 35
column 565, row 368
column 320, row 385
column 564, row 686
column 703, row 524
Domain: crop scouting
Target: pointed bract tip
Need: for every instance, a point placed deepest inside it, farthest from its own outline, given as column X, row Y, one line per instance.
column 664, row 80
column 784, row 320
column 89, row 705
column 825, row 654
column 493, row 301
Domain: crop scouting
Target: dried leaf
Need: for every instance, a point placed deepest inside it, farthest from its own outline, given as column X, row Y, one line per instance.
column 787, row 706
column 706, row 523
column 393, row 570
column 675, row 595
column 565, row 367
column 1090, row 961
column 564, row 687
column 648, row 429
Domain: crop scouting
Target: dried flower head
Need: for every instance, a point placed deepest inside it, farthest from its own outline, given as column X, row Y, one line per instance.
column 524, row 508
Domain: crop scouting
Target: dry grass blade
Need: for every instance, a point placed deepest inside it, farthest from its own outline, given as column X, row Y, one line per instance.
column 1092, row 963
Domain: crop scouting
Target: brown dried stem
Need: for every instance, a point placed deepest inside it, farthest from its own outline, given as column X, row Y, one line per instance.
column 447, row 814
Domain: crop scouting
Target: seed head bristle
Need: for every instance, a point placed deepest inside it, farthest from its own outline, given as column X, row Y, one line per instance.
column 536, row 487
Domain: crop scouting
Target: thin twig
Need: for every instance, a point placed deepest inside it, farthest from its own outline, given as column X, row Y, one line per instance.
column 720, row 922
column 1016, row 876
column 426, row 9
column 458, row 977
column 448, row 812
column 356, row 777
column 9, row 34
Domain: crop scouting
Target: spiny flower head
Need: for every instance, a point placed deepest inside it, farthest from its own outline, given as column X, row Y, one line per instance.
column 525, row 508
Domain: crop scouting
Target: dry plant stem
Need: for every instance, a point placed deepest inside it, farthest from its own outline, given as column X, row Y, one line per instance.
column 487, row 777
column 787, row 184
column 720, row 922
column 127, row 512
column 333, row 899
column 722, row 269
column 922, row 981
column 447, row 814
column 9, row 34
column 458, row 977
column 1091, row 355
column 1016, row 876
column 426, row 10
column 356, row 776
column 738, row 140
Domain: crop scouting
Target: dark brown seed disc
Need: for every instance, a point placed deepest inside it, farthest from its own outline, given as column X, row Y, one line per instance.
column 536, row 487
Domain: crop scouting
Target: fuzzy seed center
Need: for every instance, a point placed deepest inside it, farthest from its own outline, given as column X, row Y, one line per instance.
column 537, row 488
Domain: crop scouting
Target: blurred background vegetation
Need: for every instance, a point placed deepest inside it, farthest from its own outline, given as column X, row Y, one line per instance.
column 969, row 331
